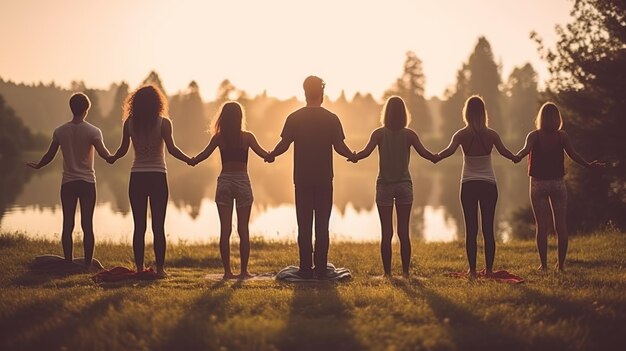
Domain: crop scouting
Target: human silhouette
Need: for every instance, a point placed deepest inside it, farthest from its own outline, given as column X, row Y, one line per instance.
column 149, row 130
column 233, row 183
column 478, row 181
column 77, row 140
column 548, row 194
column 314, row 131
column 394, row 185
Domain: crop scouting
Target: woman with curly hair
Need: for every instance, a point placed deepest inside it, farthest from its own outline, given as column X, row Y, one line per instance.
column 147, row 127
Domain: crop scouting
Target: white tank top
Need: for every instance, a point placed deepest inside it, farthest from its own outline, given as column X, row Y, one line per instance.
column 478, row 168
column 148, row 146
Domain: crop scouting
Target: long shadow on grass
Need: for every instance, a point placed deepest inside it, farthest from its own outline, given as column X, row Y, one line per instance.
column 319, row 320
column 48, row 324
column 466, row 329
column 605, row 329
column 197, row 328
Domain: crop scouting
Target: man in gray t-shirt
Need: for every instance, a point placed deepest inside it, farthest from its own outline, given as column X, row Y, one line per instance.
column 77, row 140
column 314, row 131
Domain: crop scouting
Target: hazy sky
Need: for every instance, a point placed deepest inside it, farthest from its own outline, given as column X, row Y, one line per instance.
column 270, row 44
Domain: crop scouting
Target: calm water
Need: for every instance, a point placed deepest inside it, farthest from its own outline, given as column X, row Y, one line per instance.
column 30, row 202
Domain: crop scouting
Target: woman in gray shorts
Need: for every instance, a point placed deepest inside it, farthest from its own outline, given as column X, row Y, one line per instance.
column 394, row 141
column 233, row 183
column 548, row 194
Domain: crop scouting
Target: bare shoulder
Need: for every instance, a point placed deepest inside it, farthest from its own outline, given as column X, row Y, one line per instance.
column 411, row 133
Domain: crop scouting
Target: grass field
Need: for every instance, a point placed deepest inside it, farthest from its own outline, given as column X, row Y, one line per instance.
column 582, row 309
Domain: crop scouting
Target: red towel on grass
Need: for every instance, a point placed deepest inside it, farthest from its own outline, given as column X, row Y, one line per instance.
column 499, row 276
column 117, row 274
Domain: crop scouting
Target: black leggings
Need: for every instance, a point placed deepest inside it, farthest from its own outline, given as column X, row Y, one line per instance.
column 71, row 192
column 144, row 185
column 485, row 193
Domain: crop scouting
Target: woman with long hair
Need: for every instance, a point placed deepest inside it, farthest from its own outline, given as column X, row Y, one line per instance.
column 233, row 183
column 478, row 181
column 548, row 194
column 147, row 126
column 393, row 185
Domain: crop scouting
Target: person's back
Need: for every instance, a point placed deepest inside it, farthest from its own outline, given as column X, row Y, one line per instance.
column 546, row 159
column 313, row 131
column 477, row 146
column 394, row 156
column 76, row 141
column 149, row 147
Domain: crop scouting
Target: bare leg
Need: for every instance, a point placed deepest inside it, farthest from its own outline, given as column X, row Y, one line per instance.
column 243, row 218
column 541, row 210
column 404, row 215
column 469, row 202
column 489, row 197
column 226, row 226
column 69, row 198
column 158, row 207
column 139, row 207
column 385, row 214
column 558, row 200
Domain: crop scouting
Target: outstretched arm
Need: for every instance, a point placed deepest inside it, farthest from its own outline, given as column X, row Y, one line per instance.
column 420, row 148
column 254, row 145
column 47, row 157
column 124, row 144
column 167, row 131
column 371, row 145
column 281, row 148
column 342, row 149
column 497, row 142
column 101, row 149
column 528, row 146
column 574, row 155
column 208, row 150
column 451, row 149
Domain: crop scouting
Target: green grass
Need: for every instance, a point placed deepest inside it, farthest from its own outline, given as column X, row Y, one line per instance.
column 582, row 309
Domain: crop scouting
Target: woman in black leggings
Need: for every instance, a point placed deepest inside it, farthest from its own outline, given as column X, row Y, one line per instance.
column 149, row 130
column 478, row 183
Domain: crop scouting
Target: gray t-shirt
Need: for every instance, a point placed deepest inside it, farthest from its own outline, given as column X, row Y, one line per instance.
column 313, row 131
column 76, row 141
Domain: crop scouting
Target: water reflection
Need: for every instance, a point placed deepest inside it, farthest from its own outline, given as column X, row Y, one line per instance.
column 29, row 201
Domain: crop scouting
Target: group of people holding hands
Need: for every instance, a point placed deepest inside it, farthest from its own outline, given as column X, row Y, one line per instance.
column 315, row 133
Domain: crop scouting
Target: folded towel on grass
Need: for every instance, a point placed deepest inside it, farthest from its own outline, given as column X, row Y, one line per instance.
column 290, row 274
column 58, row 265
column 117, row 274
column 499, row 276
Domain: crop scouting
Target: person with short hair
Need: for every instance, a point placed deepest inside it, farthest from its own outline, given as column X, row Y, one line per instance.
column 545, row 147
column 394, row 185
column 315, row 132
column 77, row 140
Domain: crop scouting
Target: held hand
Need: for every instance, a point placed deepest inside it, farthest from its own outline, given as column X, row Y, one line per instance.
column 353, row 158
column 192, row 161
column 516, row 159
column 270, row 158
column 111, row 159
column 436, row 158
column 33, row 165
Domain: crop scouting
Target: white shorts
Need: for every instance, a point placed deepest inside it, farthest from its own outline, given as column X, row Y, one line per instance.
column 402, row 192
column 234, row 186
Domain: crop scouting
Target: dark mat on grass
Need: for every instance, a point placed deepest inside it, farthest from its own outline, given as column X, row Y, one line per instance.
column 290, row 274
column 258, row 276
column 117, row 274
column 55, row 264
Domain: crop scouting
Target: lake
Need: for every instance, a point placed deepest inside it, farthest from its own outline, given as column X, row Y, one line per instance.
column 30, row 202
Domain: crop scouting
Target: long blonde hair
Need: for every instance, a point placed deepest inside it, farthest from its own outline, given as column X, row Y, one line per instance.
column 230, row 122
column 549, row 117
column 475, row 113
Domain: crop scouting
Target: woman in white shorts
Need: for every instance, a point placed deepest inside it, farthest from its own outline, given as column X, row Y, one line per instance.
column 548, row 194
column 233, row 183
column 394, row 141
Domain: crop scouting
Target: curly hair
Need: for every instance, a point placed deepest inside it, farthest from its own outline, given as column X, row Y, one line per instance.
column 143, row 106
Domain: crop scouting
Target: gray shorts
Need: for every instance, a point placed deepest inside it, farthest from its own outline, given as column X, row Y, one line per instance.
column 402, row 192
column 234, row 186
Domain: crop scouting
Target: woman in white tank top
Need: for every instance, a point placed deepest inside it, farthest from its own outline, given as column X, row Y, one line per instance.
column 150, row 134
column 478, row 181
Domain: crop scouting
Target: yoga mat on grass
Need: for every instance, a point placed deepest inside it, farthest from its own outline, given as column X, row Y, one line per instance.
column 55, row 264
column 117, row 274
column 215, row 277
column 289, row 274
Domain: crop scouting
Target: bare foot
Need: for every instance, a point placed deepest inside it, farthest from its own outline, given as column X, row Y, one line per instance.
column 472, row 274
column 162, row 273
column 488, row 273
column 245, row 275
column 559, row 268
column 542, row 268
column 406, row 275
column 228, row 275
